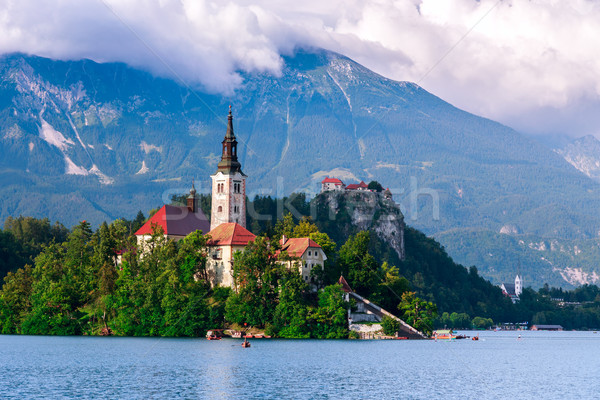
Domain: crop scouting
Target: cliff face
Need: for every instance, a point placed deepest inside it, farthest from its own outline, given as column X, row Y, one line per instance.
column 366, row 211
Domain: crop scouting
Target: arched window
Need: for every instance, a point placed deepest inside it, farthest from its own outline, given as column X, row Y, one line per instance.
column 220, row 209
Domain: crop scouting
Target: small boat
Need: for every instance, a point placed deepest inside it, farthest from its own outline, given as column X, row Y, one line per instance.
column 444, row 334
column 475, row 337
column 214, row 334
column 245, row 343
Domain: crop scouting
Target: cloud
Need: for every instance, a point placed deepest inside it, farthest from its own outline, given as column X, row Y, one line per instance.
column 530, row 64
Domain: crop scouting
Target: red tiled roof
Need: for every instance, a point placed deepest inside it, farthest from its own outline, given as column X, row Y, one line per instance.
column 295, row 247
column 232, row 234
column 345, row 287
column 357, row 185
column 176, row 220
column 332, row 180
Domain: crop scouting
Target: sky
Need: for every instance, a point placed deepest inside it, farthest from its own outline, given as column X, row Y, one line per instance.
column 532, row 65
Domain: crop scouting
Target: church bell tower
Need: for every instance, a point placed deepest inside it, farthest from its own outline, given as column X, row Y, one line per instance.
column 228, row 184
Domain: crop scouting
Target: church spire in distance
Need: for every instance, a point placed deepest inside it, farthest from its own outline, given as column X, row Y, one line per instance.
column 229, row 162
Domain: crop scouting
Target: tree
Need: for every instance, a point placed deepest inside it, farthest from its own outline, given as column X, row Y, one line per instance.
column 305, row 228
column 11, row 253
column 256, row 274
column 289, row 320
column 284, row 227
column 418, row 313
column 327, row 274
column 56, row 294
column 138, row 221
column 357, row 264
column 330, row 319
column 389, row 292
column 23, row 239
column 482, row 323
column 376, row 186
column 390, row 325
column 15, row 300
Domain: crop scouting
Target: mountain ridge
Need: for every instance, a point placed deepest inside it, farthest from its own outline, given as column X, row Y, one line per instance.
column 130, row 140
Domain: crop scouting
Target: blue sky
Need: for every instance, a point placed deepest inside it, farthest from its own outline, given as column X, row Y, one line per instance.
column 532, row 65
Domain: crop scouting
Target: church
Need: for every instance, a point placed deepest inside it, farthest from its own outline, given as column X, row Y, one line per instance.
column 227, row 226
column 513, row 290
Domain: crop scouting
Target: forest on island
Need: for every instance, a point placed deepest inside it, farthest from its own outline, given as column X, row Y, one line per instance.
column 63, row 281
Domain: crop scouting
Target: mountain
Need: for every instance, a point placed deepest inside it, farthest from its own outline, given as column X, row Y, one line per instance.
column 82, row 140
column 584, row 154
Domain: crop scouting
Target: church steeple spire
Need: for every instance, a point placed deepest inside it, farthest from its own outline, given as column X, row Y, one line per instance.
column 229, row 161
column 228, row 184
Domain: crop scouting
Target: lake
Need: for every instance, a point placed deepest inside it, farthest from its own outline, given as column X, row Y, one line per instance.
column 556, row 365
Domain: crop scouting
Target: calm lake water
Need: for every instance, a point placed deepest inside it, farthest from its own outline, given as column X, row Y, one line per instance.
column 557, row 365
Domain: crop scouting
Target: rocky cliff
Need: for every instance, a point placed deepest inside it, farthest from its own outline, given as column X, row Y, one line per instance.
column 366, row 211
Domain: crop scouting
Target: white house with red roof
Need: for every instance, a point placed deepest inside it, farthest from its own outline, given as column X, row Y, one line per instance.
column 331, row 184
column 306, row 254
column 224, row 241
column 175, row 222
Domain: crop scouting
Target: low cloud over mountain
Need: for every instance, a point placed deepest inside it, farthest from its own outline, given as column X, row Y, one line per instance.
column 530, row 64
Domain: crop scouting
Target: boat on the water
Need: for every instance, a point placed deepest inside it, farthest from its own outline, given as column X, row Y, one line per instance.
column 245, row 343
column 444, row 334
column 214, row 334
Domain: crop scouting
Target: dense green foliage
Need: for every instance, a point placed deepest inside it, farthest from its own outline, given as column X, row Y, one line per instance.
column 73, row 285
column 22, row 239
column 76, row 287
column 418, row 313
